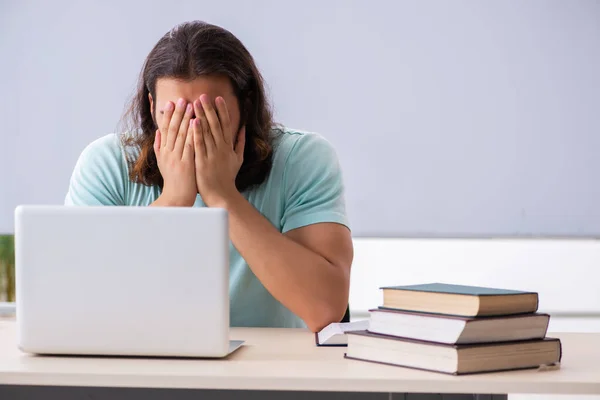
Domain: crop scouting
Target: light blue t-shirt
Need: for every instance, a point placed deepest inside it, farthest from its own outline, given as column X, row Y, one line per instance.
column 304, row 187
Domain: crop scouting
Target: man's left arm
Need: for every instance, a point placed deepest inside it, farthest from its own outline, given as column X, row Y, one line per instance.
column 307, row 269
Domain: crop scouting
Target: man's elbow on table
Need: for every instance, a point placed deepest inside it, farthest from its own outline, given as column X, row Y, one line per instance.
column 325, row 316
column 332, row 310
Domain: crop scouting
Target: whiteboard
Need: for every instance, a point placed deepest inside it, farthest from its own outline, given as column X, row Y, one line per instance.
column 450, row 118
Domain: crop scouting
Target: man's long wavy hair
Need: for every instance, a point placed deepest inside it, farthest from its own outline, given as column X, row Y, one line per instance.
column 188, row 51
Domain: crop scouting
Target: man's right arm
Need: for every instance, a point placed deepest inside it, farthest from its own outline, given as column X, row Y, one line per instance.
column 97, row 178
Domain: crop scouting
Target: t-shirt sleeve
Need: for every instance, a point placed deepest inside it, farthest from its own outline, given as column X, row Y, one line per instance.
column 313, row 185
column 97, row 179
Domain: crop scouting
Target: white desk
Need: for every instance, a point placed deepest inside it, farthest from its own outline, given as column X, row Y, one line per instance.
column 288, row 360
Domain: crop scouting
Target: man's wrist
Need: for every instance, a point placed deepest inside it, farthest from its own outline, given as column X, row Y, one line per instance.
column 166, row 201
column 228, row 201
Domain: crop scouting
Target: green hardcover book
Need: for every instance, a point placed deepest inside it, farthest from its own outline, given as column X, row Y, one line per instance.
column 460, row 300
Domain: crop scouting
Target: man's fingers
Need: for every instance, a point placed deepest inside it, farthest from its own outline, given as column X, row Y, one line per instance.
column 166, row 120
column 198, row 110
column 175, row 123
column 188, row 149
column 209, row 140
column 183, row 130
column 157, row 142
column 241, row 142
column 199, row 146
column 212, row 118
column 223, row 114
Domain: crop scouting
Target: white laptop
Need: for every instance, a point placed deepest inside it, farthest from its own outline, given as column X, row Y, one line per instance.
column 126, row 281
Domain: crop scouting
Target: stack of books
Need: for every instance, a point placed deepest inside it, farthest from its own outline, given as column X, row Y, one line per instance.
column 457, row 330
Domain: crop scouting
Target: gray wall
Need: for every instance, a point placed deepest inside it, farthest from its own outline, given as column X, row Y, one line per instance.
column 450, row 117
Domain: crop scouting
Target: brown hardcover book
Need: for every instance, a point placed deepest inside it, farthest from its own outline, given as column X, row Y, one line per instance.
column 458, row 330
column 467, row 301
column 453, row 359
